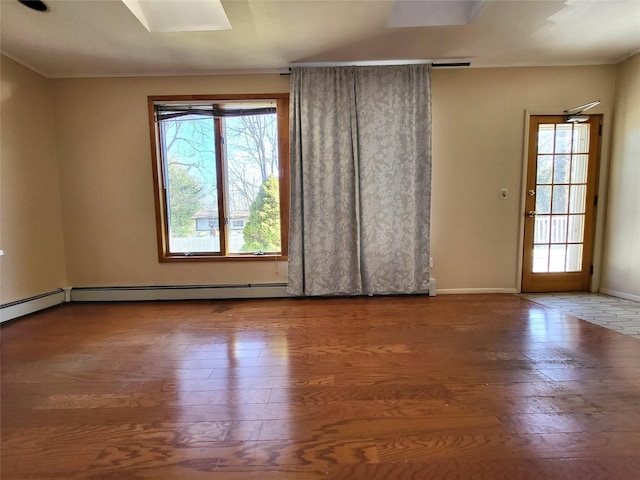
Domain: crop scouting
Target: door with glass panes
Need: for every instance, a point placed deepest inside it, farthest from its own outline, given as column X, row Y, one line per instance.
column 560, row 204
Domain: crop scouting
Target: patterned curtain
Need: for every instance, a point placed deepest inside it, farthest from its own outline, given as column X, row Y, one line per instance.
column 360, row 180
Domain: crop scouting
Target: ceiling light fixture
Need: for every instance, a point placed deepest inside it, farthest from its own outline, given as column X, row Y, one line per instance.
column 36, row 5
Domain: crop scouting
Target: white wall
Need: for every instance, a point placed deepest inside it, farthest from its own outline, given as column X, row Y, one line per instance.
column 621, row 275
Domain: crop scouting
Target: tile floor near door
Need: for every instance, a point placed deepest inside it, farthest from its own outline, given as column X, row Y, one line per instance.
column 609, row 312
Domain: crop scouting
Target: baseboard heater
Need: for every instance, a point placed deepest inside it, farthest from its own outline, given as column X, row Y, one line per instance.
column 20, row 308
column 33, row 304
column 188, row 292
column 178, row 292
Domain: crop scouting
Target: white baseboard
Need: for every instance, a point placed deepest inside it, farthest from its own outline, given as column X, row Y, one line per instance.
column 13, row 310
column 178, row 292
column 464, row 291
column 626, row 296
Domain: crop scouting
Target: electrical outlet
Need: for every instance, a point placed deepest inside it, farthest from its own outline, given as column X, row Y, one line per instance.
column 504, row 193
column 430, row 262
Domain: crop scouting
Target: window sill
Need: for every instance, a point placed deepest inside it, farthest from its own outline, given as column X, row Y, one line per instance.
column 221, row 258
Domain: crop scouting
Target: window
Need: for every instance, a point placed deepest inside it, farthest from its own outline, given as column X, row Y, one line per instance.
column 221, row 176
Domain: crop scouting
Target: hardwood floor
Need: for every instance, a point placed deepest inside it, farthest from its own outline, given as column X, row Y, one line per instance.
column 451, row 387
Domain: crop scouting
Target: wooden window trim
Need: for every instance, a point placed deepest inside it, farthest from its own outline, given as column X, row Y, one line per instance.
column 162, row 226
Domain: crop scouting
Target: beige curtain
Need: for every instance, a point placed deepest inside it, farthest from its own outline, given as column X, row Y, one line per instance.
column 360, row 180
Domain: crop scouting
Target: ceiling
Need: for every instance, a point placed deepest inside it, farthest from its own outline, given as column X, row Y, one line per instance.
column 93, row 38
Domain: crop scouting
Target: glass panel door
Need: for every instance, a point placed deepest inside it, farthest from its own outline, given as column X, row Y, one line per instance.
column 560, row 203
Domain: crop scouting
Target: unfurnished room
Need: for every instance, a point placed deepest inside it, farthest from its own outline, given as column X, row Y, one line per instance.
column 320, row 239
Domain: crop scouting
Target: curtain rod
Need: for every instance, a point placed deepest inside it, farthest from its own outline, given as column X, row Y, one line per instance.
column 433, row 65
column 451, row 64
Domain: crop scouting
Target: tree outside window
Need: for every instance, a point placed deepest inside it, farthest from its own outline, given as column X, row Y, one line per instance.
column 219, row 165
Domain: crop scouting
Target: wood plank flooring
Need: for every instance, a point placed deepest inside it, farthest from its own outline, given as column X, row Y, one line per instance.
column 452, row 387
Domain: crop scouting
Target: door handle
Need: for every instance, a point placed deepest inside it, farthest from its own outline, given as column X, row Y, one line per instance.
column 531, row 213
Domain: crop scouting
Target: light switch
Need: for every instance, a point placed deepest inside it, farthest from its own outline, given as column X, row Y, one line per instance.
column 504, row 193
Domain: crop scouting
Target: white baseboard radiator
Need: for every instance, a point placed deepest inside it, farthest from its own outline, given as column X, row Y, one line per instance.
column 178, row 292
column 188, row 292
column 20, row 308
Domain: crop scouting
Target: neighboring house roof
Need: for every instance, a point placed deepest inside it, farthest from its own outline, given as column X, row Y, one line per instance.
column 204, row 213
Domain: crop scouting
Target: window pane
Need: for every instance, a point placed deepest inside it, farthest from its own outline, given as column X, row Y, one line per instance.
column 545, row 138
column 579, row 169
column 561, row 169
column 540, row 258
column 544, row 167
column 580, row 138
column 560, row 199
column 252, row 183
column 558, row 229
column 541, row 229
column 557, row 254
column 578, row 197
column 190, row 176
column 563, row 138
column 543, row 200
column 574, row 258
column 576, row 228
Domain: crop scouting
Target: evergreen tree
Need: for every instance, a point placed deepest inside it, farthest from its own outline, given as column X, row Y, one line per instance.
column 262, row 231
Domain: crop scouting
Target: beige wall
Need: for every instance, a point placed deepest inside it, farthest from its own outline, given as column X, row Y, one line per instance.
column 30, row 223
column 478, row 115
column 103, row 153
column 621, row 274
column 102, row 134
column 478, row 140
